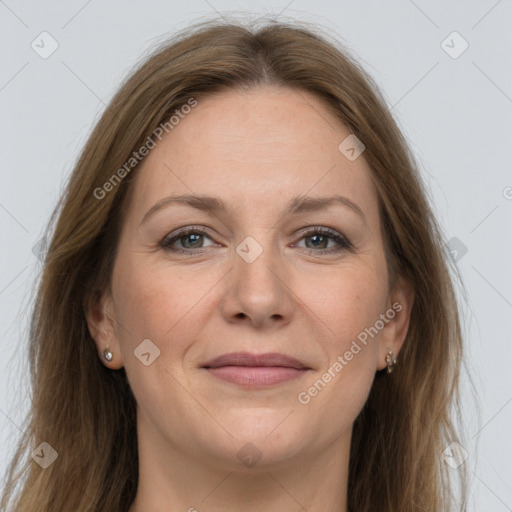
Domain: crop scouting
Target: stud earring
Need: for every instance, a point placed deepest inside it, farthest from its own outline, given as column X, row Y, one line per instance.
column 390, row 360
column 107, row 355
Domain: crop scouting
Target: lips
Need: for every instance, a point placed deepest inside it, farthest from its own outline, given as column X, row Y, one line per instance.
column 247, row 359
column 255, row 370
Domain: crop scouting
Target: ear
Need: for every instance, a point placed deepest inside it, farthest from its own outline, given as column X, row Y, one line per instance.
column 399, row 304
column 102, row 327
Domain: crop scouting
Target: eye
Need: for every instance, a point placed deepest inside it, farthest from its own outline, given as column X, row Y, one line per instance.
column 189, row 240
column 318, row 239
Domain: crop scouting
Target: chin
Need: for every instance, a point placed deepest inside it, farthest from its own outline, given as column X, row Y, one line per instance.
column 256, row 440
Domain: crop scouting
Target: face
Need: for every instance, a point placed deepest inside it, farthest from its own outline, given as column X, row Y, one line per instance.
column 263, row 274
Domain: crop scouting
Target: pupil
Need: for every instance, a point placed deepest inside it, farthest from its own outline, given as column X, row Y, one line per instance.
column 192, row 235
column 317, row 237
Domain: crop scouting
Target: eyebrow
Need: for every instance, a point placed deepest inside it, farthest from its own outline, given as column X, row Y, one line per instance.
column 214, row 205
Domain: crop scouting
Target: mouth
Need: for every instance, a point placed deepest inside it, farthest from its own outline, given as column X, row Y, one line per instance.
column 255, row 370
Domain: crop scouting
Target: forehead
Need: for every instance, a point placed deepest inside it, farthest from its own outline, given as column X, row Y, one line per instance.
column 261, row 147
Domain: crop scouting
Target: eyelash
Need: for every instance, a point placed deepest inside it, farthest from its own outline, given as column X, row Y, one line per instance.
column 343, row 242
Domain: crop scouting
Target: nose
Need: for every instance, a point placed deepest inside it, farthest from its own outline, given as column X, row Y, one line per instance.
column 259, row 292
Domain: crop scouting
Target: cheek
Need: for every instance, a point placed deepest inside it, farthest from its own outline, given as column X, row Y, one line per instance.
column 341, row 386
column 159, row 305
column 152, row 303
column 355, row 309
column 347, row 301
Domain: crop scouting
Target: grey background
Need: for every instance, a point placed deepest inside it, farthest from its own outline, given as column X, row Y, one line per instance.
column 455, row 112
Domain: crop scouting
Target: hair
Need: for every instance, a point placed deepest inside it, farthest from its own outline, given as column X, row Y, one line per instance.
column 87, row 412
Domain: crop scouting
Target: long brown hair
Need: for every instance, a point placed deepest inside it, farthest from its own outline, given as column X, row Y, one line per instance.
column 87, row 412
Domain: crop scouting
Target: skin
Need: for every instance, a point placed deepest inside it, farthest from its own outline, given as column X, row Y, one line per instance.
column 256, row 151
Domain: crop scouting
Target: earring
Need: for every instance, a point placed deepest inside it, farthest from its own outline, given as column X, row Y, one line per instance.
column 107, row 355
column 390, row 360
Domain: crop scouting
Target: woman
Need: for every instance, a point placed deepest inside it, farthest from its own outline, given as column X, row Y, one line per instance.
column 245, row 304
